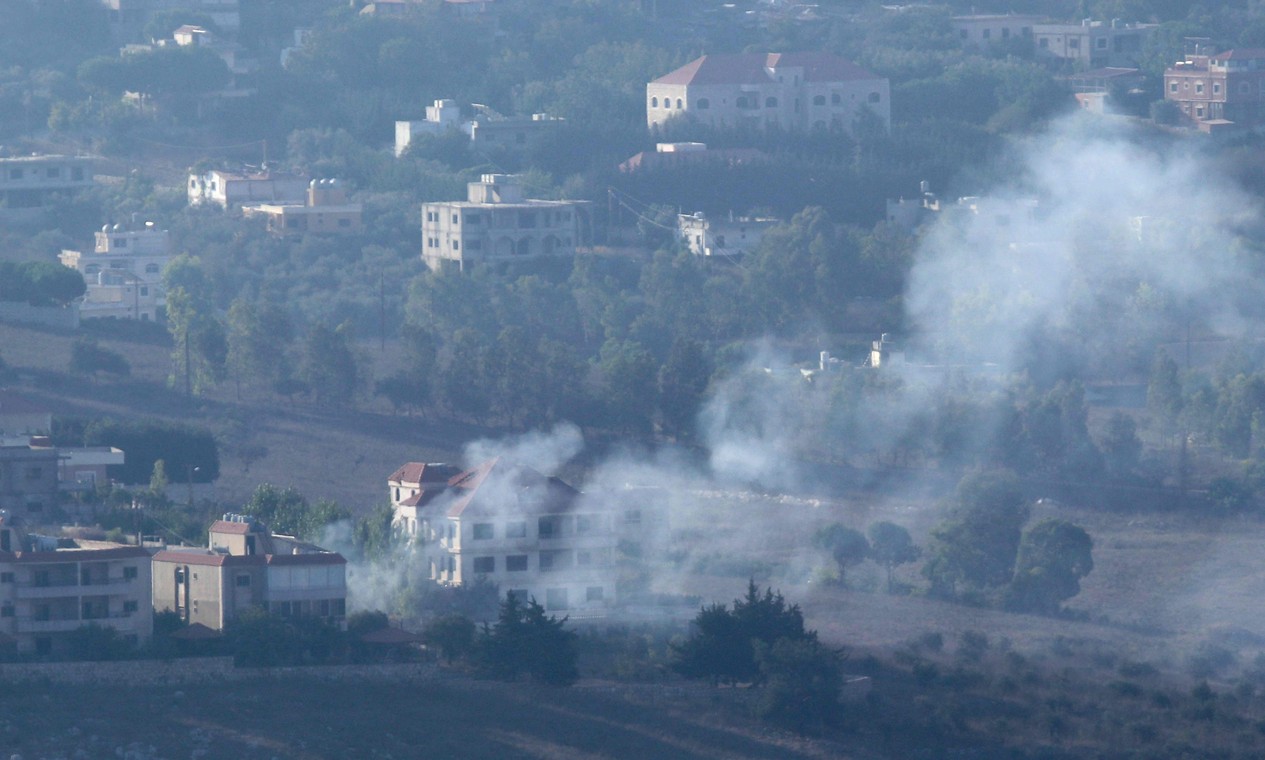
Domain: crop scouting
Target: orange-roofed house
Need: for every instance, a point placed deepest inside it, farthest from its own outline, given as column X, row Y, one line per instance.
column 245, row 566
column 791, row 91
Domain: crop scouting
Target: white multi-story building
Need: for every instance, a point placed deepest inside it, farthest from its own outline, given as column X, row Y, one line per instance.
column 791, row 91
column 123, row 272
column 227, row 189
column 29, row 181
column 497, row 223
column 51, row 587
column 488, row 129
column 532, row 535
column 247, row 566
column 724, row 236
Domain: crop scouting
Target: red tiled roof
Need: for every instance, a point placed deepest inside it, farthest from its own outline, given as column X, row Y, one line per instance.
column 752, row 68
column 231, row 528
column 423, row 472
column 527, row 488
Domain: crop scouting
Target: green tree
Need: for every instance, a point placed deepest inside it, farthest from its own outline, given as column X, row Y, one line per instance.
column 87, row 357
column 722, row 645
column 1164, row 399
column 328, row 365
column 453, row 635
column 1121, row 446
column 802, row 681
column 846, row 545
column 288, row 512
column 158, row 482
column 683, row 379
column 526, row 640
column 891, row 546
column 978, row 545
column 630, row 373
column 1053, row 557
column 258, row 336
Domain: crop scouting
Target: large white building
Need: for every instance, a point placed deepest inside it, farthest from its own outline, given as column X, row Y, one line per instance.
column 488, row 129
column 722, row 236
column 532, row 535
column 497, row 223
column 51, row 587
column 792, row 91
column 123, row 272
column 228, row 189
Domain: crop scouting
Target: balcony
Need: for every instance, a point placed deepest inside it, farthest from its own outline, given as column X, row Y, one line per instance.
column 64, row 624
column 55, row 590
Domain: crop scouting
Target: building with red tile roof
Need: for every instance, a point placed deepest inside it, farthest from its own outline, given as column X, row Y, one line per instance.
column 791, row 91
column 531, row 534
column 247, row 566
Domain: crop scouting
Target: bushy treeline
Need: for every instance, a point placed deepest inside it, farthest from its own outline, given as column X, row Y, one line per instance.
column 189, row 453
column 39, row 283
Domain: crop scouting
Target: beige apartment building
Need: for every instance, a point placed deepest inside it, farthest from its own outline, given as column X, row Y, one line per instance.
column 245, row 566
column 29, row 181
column 791, row 91
column 497, row 222
column 325, row 212
column 532, row 535
column 51, row 587
column 1219, row 89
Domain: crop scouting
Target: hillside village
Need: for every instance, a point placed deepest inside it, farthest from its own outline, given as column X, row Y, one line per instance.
column 335, row 334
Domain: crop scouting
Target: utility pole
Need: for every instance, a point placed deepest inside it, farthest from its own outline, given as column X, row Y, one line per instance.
column 188, row 379
column 382, row 312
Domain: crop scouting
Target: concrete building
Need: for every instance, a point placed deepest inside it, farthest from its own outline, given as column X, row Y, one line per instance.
column 1092, row 44
column 1219, row 90
column 487, row 130
column 229, row 189
column 325, row 212
column 123, row 272
column 497, row 223
column 245, row 566
column 51, row 587
column 792, row 91
column 28, row 478
column 31, row 181
column 732, row 236
column 503, row 523
column 981, row 31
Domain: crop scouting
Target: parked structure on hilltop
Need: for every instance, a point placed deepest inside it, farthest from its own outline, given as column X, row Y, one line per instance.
column 503, row 523
column 497, row 223
column 791, row 91
column 1092, row 44
column 245, row 566
column 326, row 212
column 51, row 587
column 123, row 272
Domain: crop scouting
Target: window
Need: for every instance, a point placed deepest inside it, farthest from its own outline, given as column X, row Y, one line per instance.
column 1074, row 44
column 129, row 607
column 987, row 34
column 1172, row 87
column 1199, row 112
column 703, row 104
column 482, row 531
column 554, row 561
column 6, row 610
column 516, row 563
column 741, row 102
column 527, row 220
column 593, row 594
column 151, row 269
column 516, row 529
column 632, row 517
column 1199, row 86
column 875, row 97
column 1043, row 42
column 549, row 527
column 679, row 104
column 243, row 581
column 456, row 218
column 6, row 577
column 129, row 573
column 485, row 564
column 518, row 594
column 338, row 607
column 1102, row 43
column 770, row 102
column 654, row 102
column 556, row 599
column 456, row 246
column 819, row 100
column 1216, row 88
column 76, row 174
